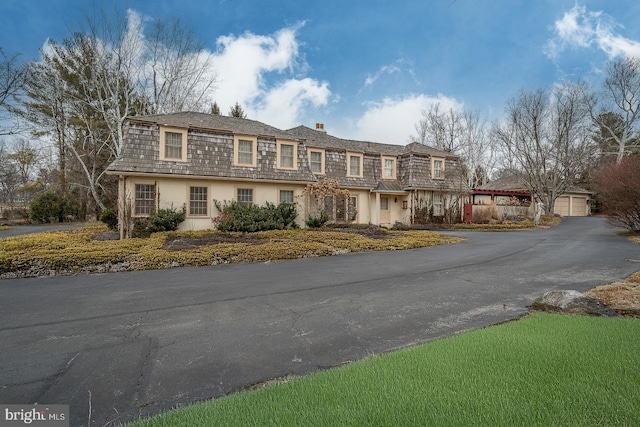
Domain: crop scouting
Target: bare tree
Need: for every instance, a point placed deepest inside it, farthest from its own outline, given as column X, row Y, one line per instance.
column 621, row 96
column 548, row 140
column 440, row 129
column 462, row 133
column 178, row 75
column 12, row 74
column 44, row 106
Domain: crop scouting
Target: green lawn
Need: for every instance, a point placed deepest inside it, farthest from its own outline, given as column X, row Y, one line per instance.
column 543, row 370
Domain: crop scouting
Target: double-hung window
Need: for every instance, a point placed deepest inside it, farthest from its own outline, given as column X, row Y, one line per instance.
column 286, row 196
column 198, row 201
column 437, row 204
column 316, row 162
column 354, row 165
column 287, row 152
column 173, row 144
column 245, row 196
column 245, row 152
column 437, row 168
column 145, row 198
column 388, row 168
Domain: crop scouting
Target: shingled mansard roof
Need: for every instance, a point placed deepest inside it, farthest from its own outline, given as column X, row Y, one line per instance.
column 320, row 139
column 225, row 124
column 210, row 149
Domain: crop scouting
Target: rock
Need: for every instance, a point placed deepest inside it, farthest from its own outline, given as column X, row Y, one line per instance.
column 572, row 302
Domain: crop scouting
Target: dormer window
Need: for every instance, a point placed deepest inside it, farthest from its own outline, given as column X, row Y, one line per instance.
column 316, row 160
column 437, row 168
column 173, row 144
column 287, row 155
column 354, row 165
column 388, row 168
column 245, row 151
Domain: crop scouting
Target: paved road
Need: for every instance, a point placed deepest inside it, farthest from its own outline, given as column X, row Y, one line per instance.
column 18, row 230
column 138, row 343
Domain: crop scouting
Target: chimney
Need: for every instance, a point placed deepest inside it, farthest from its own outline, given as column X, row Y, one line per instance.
column 320, row 127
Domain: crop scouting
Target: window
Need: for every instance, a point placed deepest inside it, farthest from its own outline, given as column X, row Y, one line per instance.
column 355, row 165
column 173, row 144
column 316, row 161
column 287, row 153
column 437, row 168
column 388, row 168
column 245, row 150
column 384, row 203
column 245, row 196
column 145, row 199
column 198, row 201
column 286, row 196
column 437, row 204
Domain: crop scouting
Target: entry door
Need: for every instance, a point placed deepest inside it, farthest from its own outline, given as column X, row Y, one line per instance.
column 385, row 215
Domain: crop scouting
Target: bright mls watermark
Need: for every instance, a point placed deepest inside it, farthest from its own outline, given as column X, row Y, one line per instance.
column 34, row 415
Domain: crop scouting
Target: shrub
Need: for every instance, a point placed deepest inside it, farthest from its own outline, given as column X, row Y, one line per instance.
column 49, row 206
column 619, row 187
column 110, row 217
column 317, row 221
column 166, row 219
column 251, row 218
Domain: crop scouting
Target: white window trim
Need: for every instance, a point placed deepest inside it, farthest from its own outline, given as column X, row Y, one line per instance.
column 254, row 150
column 188, row 200
column 163, row 132
column 349, row 156
column 279, row 143
column 433, row 171
column 393, row 170
column 322, row 154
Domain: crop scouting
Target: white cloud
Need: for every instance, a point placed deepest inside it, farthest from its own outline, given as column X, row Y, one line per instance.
column 250, row 69
column 392, row 121
column 386, row 69
column 581, row 28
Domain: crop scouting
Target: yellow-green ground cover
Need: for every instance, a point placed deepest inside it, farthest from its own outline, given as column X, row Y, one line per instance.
column 78, row 251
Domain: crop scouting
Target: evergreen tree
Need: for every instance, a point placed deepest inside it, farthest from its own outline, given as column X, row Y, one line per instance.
column 215, row 109
column 237, row 111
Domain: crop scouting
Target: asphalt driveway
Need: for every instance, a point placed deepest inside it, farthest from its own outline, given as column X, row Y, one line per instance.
column 132, row 344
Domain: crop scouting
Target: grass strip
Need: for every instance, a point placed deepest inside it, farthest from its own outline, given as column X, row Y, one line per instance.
column 543, row 370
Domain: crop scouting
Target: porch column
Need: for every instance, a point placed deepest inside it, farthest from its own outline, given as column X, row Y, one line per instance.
column 377, row 213
column 121, row 206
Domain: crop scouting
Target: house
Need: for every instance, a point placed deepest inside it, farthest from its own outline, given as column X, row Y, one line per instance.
column 191, row 159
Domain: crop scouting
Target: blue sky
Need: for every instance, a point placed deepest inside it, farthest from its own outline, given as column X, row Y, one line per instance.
column 366, row 69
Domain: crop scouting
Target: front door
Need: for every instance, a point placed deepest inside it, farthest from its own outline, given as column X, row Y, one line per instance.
column 385, row 214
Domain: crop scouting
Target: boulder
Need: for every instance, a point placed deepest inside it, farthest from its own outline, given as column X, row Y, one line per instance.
column 572, row 302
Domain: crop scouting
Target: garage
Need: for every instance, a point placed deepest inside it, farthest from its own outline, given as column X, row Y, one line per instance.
column 571, row 205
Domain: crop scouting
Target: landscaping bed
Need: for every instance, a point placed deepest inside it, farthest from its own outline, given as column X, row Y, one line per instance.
column 85, row 250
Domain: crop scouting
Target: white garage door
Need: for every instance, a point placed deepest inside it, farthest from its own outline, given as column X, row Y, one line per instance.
column 579, row 206
column 561, row 207
column 570, row 206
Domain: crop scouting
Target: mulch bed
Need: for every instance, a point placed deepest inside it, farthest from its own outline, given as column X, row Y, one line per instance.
column 178, row 243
